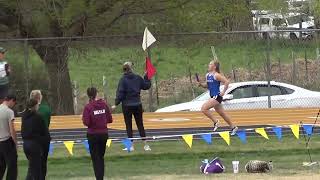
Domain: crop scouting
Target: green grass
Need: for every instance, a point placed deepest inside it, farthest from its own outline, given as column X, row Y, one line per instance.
column 174, row 160
column 88, row 63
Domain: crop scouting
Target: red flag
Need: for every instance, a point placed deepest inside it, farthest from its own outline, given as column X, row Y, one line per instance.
column 150, row 69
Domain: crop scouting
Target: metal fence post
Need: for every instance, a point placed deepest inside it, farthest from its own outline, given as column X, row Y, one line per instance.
column 268, row 72
column 26, row 66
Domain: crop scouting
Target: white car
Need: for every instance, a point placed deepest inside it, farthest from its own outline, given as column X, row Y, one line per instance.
column 254, row 95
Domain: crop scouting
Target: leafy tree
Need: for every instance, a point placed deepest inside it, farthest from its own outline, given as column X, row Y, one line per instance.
column 64, row 18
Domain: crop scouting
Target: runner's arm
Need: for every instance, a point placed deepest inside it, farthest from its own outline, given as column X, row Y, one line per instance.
column 204, row 85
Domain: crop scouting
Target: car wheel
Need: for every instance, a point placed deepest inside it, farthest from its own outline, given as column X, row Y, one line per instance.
column 293, row 36
column 265, row 36
column 309, row 37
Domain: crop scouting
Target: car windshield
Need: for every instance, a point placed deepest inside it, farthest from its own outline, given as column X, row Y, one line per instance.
column 297, row 19
column 202, row 97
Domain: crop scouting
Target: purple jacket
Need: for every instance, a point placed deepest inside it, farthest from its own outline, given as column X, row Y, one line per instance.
column 96, row 115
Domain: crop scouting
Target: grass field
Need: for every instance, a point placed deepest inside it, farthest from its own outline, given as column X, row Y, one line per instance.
column 174, row 160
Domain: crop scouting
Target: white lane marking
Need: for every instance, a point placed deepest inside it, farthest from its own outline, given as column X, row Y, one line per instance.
column 169, row 120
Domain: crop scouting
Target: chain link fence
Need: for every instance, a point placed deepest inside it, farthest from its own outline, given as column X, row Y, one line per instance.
column 64, row 67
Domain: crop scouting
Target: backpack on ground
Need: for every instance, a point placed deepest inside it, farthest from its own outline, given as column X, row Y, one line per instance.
column 211, row 167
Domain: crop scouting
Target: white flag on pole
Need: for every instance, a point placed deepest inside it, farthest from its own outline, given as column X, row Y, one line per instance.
column 148, row 39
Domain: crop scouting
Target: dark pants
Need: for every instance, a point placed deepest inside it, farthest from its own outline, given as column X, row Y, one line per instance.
column 137, row 112
column 34, row 153
column 4, row 89
column 8, row 159
column 97, row 147
column 44, row 159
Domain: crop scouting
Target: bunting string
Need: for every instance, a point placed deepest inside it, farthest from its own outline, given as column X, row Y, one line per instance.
column 207, row 137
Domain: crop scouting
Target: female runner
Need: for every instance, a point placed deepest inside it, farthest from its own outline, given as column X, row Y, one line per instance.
column 213, row 80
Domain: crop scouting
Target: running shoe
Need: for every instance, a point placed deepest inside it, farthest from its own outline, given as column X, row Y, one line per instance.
column 215, row 125
column 147, row 147
column 234, row 131
column 131, row 149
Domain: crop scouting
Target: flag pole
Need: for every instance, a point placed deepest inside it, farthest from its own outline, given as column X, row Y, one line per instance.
column 150, row 90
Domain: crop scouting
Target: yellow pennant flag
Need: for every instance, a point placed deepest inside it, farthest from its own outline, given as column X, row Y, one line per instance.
column 262, row 132
column 69, row 146
column 109, row 142
column 225, row 136
column 295, row 130
column 188, row 139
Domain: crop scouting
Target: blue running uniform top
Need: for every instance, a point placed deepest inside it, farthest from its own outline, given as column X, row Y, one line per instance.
column 213, row 85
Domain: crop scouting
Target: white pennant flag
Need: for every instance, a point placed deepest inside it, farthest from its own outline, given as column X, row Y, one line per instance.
column 148, row 39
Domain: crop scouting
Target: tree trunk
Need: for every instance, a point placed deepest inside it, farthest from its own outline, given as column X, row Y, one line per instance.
column 55, row 57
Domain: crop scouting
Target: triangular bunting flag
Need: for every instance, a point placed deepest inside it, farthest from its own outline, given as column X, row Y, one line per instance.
column 148, row 39
column 50, row 149
column 242, row 136
column 295, row 130
column 127, row 143
column 86, row 145
column 69, row 146
column 308, row 129
column 188, row 139
column 278, row 132
column 262, row 132
column 225, row 136
column 207, row 138
column 109, row 141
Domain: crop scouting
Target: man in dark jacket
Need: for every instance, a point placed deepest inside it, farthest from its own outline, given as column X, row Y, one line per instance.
column 128, row 93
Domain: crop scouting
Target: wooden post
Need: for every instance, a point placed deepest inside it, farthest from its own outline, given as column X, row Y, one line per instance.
column 279, row 67
column 75, row 97
column 105, row 88
column 306, row 65
column 234, row 73
column 294, row 72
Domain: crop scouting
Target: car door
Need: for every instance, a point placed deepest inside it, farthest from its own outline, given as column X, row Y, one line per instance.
column 243, row 98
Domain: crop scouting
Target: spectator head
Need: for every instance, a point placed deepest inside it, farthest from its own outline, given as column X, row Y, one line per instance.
column 10, row 100
column 33, row 105
column 92, row 93
column 127, row 67
column 36, row 94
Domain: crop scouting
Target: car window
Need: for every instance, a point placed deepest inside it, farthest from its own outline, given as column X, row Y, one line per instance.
column 242, row 92
column 264, row 90
column 264, row 21
column 287, row 90
column 279, row 22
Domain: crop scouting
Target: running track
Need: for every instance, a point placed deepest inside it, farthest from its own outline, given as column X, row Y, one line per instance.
column 71, row 127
